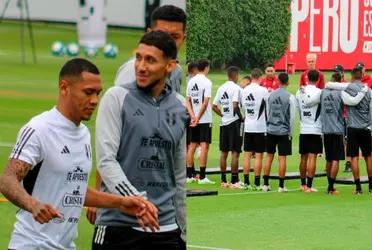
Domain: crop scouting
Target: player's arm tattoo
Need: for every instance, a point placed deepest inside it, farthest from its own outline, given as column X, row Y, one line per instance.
column 10, row 186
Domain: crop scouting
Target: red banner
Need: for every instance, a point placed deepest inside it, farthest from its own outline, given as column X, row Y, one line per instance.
column 338, row 31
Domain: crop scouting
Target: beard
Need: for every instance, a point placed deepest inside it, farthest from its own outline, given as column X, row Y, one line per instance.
column 149, row 87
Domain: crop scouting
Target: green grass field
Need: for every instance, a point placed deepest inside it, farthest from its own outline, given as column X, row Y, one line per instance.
column 235, row 219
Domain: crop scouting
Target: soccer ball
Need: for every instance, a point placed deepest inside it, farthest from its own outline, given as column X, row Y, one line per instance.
column 110, row 50
column 73, row 49
column 58, row 48
column 90, row 51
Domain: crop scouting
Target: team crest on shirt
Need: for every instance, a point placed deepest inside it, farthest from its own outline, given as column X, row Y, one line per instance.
column 74, row 199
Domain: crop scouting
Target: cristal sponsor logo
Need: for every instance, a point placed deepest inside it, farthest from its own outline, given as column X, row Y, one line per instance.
column 163, row 185
column 76, row 199
column 154, row 163
column 77, row 175
column 156, row 141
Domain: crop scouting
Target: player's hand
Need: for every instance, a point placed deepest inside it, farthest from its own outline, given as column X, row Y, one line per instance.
column 43, row 213
column 365, row 89
column 194, row 122
column 92, row 215
column 145, row 211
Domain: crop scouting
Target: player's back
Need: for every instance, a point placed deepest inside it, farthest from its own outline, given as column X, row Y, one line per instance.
column 358, row 116
column 253, row 101
column 198, row 88
column 226, row 94
column 278, row 119
column 308, row 100
column 331, row 112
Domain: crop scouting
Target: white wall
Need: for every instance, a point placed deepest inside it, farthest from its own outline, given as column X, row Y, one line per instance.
column 129, row 13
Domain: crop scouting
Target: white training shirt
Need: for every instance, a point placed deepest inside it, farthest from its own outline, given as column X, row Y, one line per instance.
column 61, row 158
column 198, row 88
column 226, row 94
column 254, row 102
column 308, row 102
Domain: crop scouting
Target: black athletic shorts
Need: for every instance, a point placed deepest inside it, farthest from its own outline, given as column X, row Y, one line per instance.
column 201, row 133
column 358, row 138
column 311, row 144
column 284, row 143
column 118, row 238
column 254, row 142
column 231, row 137
column 334, row 147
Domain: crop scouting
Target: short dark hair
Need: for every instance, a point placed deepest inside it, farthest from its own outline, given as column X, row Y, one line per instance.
column 169, row 13
column 248, row 77
column 338, row 68
column 269, row 65
column 232, row 71
column 313, row 75
column 162, row 41
column 202, row 64
column 76, row 66
column 191, row 66
column 283, row 78
column 336, row 76
column 357, row 73
column 359, row 64
column 256, row 73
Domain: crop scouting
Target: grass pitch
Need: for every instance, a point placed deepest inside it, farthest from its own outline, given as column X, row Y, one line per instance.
column 235, row 219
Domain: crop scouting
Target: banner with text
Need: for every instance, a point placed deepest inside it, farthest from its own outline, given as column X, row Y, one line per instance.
column 338, row 31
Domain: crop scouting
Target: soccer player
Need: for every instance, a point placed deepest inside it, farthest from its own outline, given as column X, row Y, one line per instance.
column 254, row 102
column 227, row 97
column 310, row 143
column 311, row 62
column 270, row 81
column 358, row 123
column 333, row 128
column 48, row 169
column 167, row 18
column 198, row 94
column 280, row 126
column 140, row 143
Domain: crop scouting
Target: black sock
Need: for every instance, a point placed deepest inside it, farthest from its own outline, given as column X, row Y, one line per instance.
column 223, row 177
column 202, row 173
column 189, row 172
column 281, row 182
column 257, row 180
column 370, row 182
column 234, row 178
column 193, row 170
column 246, row 179
column 328, row 178
column 303, row 181
column 357, row 184
column 331, row 182
column 309, row 182
column 266, row 180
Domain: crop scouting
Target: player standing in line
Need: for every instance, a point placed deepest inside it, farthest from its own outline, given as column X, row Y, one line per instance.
column 198, row 94
column 366, row 79
column 254, row 102
column 227, row 97
column 280, row 126
column 245, row 81
column 333, row 129
column 270, row 81
column 310, row 143
column 48, row 170
column 358, row 123
column 311, row 62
